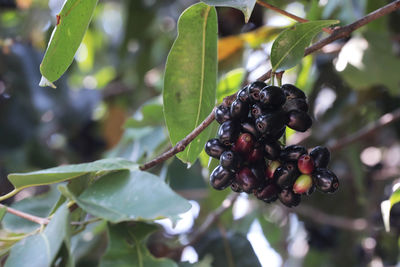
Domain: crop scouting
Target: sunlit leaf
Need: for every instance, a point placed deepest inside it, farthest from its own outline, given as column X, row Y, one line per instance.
column 191, row 78
column 288, row 48
column 246, row 6
column 72, row 23
column 230, row 83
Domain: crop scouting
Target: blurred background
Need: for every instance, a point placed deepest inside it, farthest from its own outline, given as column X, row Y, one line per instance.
column 108, row 104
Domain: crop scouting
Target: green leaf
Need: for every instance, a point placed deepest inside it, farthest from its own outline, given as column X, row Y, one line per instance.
column 288, row 48
column 73, row 21
column 150, row 114
column 386, row 207
column 40, row 205
column 191, row 78
column 62, row 173
column 41, row 249
column 230, row 83
column 124, row 196
column 246, row 6
column 3, row 211
column 127, row 247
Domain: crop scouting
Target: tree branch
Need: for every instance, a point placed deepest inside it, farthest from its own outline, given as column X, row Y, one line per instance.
column 287, row 14
column 338, row 33
column 29, row 217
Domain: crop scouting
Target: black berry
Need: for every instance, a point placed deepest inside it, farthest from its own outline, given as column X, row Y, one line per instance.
column 221, row 178
column 222, row 114
column 239, row 110
column 285, row 175
column 299, row 120
column 214, row 148
column 289, row 198
column 292, row 91
column 254, row 91
column 321, row 156
column 272, row 97
column 229, row 160
column 292, row 153
column 325, row 180
column 227, row 133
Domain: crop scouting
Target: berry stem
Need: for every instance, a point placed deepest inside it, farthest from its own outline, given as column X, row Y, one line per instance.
column 29, row 217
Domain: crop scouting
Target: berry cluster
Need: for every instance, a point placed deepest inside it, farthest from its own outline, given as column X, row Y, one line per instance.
column 252, row 159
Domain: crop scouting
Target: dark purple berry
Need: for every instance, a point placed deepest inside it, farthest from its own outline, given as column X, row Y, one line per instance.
column 221, row 178
column 295, row 103
column 248, row 127
column 267, row 194
column 256, row 111
column 222, row 114
column 272, row 150
column 292, row 153
column 271, row 123
column 254, row 91
column 292, row 91
column 289, row 198
column 229, row 160
column 214, row 148
column 325, row 180
column 244, row 144
column 321, row 156
column 235, row 187
column 272, row 97
column 239, row 110
column 299, row 120
column 305, row 164
column 227, row 133
column 259, row 170
column 243, row 95
column 247, row 180
column 285, row 175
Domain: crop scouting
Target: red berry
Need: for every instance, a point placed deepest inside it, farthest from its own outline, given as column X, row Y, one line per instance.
column 255, row 155
column 247, row 180
column 305, row 164
column 272, row 166
column 302, row 184
column 244, row 144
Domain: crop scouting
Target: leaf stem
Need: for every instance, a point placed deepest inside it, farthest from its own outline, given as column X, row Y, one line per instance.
column 27, row 216
column 287, row 14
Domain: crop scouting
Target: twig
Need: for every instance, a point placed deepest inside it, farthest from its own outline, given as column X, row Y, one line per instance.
column 29, row 217
column 337, row 34
column 320, row 217
column 287, row 14
column 212, row 218
column 366, row 131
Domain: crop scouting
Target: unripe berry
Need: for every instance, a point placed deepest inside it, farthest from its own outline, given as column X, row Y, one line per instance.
column 285, row 175
column 239, row 110
column 254, row 91
column 244, row 144
column 229, row 160
column 272, row 97
column 292, row 153
column 325, row 180
column 292, row 91
column 299, row 120
column 272, row 166
column 305, row 164
column 246, row 180
column 221, row 178
column 289, row 198
column 272, row 150
column 227, row 133
column 222, row 114
column 302, row 184
column 214, row 148
column 321, row 156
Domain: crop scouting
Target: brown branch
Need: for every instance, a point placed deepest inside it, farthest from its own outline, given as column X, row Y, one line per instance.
column 26, row 216
column 366, row 131
column 338, row 33
column 287, row 14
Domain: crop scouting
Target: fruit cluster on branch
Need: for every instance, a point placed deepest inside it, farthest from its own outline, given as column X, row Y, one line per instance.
column 253, row 160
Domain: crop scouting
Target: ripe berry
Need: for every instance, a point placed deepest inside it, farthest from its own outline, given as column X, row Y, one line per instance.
column 243, row 95
column 292, row 91
column 272, row 97
column 267, row 194
column 271, row 123
column 320, row 156
column 325, row 180
column 248, row 127
column 244, row 144
column 239, row 110
column 272, row 166
column 255, row 155
column 235, row 187
column 214, row 148
column 258, row 170
column 246, row 180
column 295, row 103
column 272, row 150
column 227, row 133
column 221, row 178
column 274, row 136
column 299, row 120
column 302, row 184
column 292, row 153
column 285, row 175
column 229, row 160
column 289, row 198
column 256, row 111
column 222, row 114
column 254, row 91
column 305, row 164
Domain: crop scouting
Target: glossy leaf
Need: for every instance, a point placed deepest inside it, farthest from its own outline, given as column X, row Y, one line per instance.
column 127, row 247
column 386, row 207
column 191, row 78
column 246, row 6
column 288, row 48
column 42, row 248
column 124, row 196
column 62, row 173
column 72, row 23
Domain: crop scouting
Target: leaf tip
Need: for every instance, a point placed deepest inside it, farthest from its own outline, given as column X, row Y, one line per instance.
column 44, row 82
